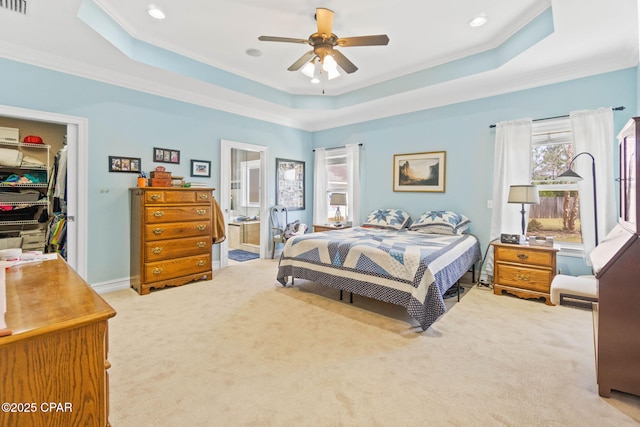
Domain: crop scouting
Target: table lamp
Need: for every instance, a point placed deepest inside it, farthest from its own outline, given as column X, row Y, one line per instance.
column 337, row 200
column 525, row 195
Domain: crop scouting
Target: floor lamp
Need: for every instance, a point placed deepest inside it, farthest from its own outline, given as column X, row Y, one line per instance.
column 571, row 176
column 525, row 195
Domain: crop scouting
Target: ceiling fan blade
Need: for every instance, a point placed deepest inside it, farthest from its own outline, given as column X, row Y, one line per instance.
column 325, row 20
column 282, row 39
column 301, row 61
column 379, row 40
column 343, row 62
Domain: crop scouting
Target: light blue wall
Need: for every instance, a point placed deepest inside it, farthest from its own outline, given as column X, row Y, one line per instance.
column 124, row 122
column 462, row 130
column 128, row 123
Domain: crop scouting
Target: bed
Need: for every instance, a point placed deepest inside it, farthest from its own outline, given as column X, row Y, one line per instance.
column 407, row 266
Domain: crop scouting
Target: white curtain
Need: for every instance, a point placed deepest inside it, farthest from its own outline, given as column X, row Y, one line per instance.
column 593, row 134
column 511, row 166
column 353, row 183
column 320, row 187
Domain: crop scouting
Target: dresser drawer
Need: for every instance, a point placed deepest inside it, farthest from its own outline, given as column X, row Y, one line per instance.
column 177, row 248
column 177, row 213
column 177, row 230
column 169, row 269
column 524, row 256
column 177, row 196
column 524, row 278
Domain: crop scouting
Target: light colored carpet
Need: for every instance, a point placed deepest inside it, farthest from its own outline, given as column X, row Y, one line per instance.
column 241, row 350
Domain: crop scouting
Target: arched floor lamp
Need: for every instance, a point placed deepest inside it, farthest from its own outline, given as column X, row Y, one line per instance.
column 571, row 176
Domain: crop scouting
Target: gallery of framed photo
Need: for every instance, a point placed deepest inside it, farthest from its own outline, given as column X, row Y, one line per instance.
column 201, row 168
column 419, row 172
column 124, row 164
column 290, row 184
column 165, row 155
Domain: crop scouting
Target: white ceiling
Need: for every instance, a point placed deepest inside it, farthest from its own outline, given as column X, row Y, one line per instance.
column 589, row 37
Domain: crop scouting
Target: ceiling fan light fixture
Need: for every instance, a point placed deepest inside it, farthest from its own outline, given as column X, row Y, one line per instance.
column 479, row 20
column 333, row 73
column 329, row 64
column 155, row 12
column 309, row 69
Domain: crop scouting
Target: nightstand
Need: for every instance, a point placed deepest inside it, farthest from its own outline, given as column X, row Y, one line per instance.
column 327, row 227
column 523, row 270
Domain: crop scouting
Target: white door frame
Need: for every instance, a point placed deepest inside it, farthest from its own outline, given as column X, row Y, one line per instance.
column 77, row 175
column 225, row 193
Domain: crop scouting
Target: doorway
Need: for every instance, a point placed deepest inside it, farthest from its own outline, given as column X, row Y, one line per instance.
column 76, row 186
column 243, row 198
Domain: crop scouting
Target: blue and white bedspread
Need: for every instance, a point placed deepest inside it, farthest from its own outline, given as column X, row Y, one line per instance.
column 403, row 267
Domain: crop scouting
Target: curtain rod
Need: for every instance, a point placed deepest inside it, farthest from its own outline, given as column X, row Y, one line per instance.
column 562, row 117
column 335, row 148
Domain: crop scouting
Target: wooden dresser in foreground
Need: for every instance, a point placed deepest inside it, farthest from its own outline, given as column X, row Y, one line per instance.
column 171, row 231
column 523, row 270
column 53, row 368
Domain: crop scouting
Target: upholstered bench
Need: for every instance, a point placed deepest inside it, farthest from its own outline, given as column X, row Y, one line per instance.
column 572, row 290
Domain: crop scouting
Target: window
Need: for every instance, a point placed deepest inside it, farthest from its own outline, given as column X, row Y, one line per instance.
column 337, row 180
column 558, row 214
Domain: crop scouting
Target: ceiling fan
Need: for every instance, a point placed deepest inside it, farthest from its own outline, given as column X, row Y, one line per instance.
column 324, row 41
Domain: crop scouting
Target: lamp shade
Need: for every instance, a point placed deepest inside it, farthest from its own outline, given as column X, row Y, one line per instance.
column 569, row 176
column 338, row 199
column 527, row 194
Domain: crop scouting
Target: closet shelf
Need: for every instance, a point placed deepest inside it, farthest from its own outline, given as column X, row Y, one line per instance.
column 43, row 202
column 24, row 222
column 25, row 145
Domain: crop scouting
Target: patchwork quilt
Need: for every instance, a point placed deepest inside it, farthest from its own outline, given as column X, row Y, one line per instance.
column 403, row 267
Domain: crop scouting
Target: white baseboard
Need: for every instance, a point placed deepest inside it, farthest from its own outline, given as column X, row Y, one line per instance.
column 125, row 282
column 112, row 285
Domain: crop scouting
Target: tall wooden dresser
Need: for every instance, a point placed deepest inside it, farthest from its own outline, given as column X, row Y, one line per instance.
column 53, row 369
column 171, row 236
column 616, row 263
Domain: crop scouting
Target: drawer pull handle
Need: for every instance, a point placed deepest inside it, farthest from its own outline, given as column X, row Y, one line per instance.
column 204, row 196
column 156, row 271
column 523, row 256
column 522, row 277
column 158, row 214
column 158, row 231
column 201, row 244
column 155, row 197
column 201, row 211
column 201, row 263
column 202, row 227
column 157, row 250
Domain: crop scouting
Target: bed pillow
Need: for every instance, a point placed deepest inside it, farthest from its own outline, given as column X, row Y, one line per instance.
column 441, row 222
column 392, row 219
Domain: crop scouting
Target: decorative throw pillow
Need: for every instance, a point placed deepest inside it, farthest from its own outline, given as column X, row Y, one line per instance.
column 441, row 222
column 394, row 219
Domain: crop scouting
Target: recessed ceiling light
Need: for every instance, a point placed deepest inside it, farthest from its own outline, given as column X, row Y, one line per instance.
column 478, row 21
column 253, row 52
column 155, row 12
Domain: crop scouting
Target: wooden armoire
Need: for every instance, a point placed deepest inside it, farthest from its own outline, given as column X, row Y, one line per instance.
column 616, row 263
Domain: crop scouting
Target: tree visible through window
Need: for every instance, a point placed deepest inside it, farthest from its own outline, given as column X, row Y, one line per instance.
column 558, row 214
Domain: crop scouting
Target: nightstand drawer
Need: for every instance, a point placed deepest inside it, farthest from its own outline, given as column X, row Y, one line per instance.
column 525, row 256
column 524, row 278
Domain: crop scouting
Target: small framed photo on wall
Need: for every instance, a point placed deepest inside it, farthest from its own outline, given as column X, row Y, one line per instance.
column 201, row 168
column 124, row 164
column 165, row 155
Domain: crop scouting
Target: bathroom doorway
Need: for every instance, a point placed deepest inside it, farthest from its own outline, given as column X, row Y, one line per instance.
column 243, row 200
